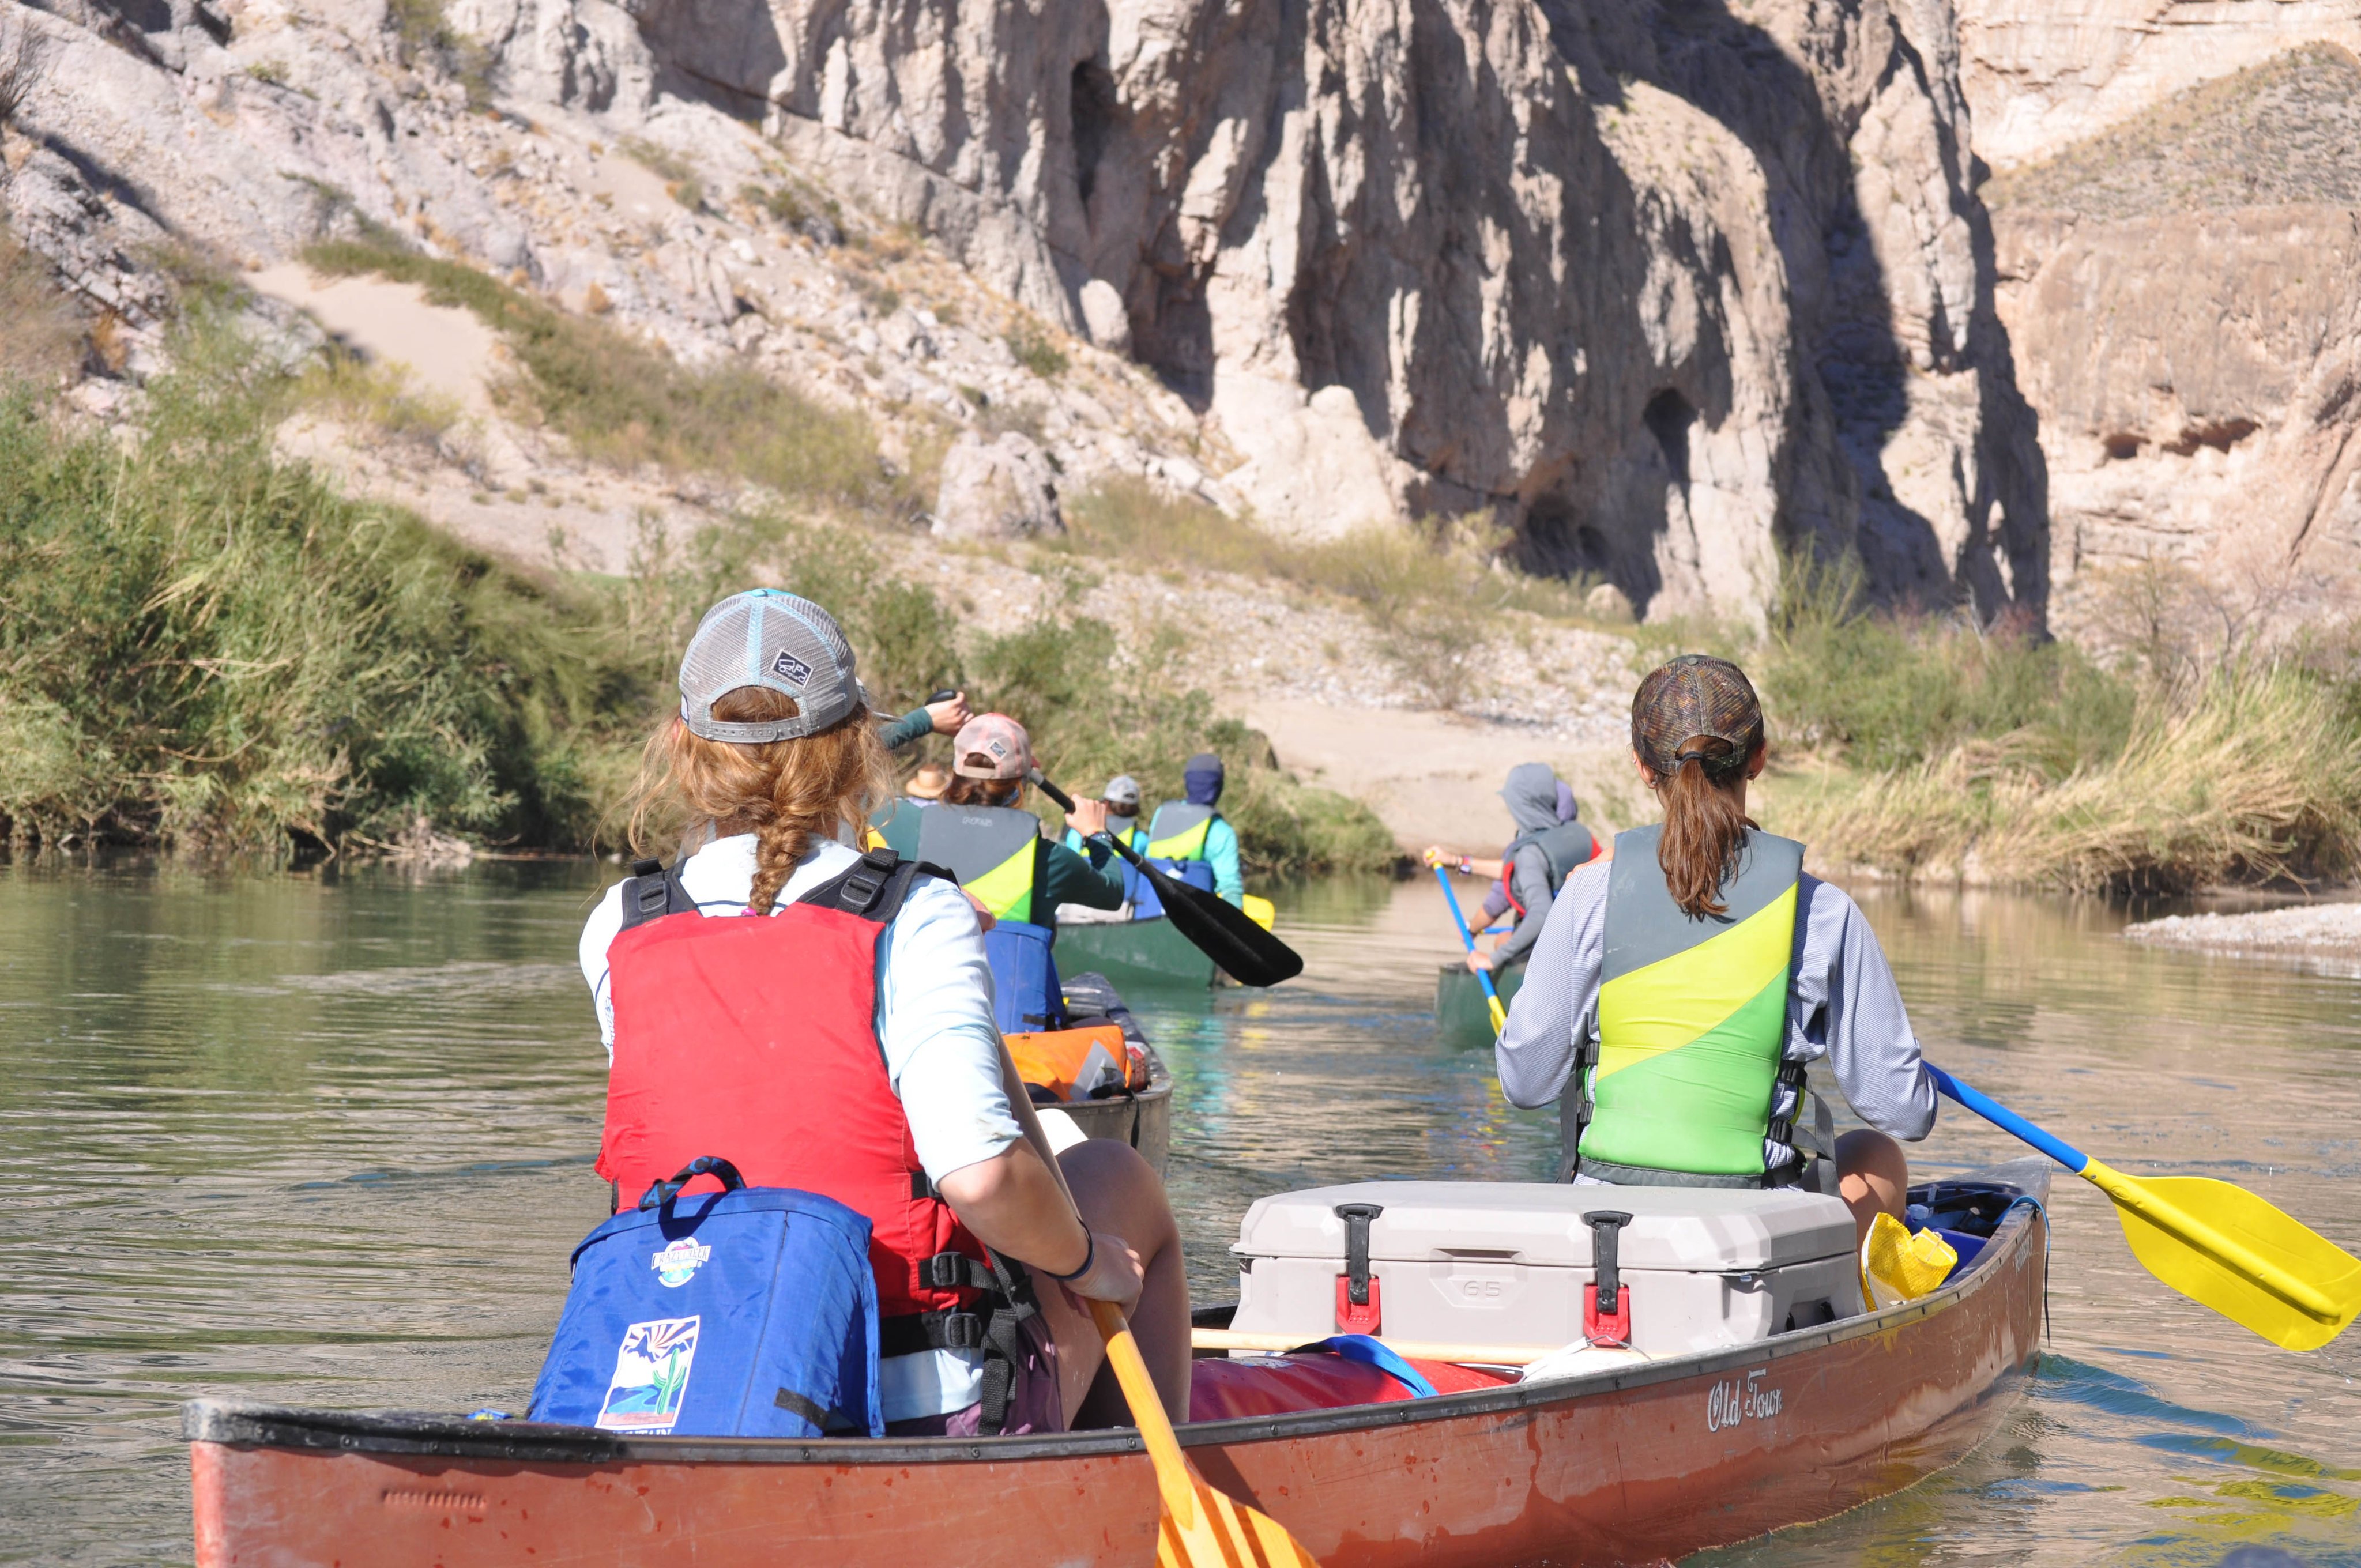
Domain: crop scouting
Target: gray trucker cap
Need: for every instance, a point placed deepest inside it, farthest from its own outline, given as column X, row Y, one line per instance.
column 765, row 637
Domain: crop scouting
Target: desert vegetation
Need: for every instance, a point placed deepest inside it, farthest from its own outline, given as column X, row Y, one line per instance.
column 206, row 646
column 2197, row 753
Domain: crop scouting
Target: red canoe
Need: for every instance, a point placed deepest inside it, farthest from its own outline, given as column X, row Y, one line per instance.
column 1623, row 1466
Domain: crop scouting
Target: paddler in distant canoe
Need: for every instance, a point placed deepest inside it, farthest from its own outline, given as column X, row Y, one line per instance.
column 1550, row 844
column 1678, row 992
column 1193, row 836
column 868, row 1069
column 982, row 834
column 897, row 823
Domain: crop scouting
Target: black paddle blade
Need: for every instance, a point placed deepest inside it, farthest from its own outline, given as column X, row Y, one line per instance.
column 1224, row 933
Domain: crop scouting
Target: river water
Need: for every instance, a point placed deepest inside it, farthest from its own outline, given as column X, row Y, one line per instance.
column 325, row 1139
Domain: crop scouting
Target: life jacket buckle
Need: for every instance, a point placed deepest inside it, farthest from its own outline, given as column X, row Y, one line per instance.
column 947, row 1271
column 963, row 1330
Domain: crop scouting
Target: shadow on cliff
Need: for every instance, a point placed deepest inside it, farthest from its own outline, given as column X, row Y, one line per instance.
column 1832, row 480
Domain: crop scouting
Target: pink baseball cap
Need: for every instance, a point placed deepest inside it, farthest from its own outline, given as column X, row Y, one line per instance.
column 998, row 737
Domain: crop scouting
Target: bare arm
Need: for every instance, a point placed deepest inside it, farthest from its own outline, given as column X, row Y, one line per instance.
column 1016, row 1203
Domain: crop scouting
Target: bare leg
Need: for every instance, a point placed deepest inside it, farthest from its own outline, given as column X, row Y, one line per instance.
column 1871, row 1177
column 1119, row 1193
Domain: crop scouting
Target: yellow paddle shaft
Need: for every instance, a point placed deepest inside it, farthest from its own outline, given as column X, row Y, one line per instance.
column 2168, row 1216
column 1172, row 1479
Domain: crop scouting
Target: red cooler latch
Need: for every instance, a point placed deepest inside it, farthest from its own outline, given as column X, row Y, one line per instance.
column 1605, row 1304
column 1358, row 1308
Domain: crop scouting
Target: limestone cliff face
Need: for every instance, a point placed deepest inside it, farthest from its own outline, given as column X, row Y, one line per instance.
column 2184, row 295
column 1663, row 285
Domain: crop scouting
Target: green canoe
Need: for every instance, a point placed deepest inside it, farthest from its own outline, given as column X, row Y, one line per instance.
column 1459, row 1010
column 1137, row 951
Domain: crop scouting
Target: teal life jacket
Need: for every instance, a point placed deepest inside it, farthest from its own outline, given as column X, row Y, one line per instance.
column 898, row 823
column 1687, row 1084
column 995, row 853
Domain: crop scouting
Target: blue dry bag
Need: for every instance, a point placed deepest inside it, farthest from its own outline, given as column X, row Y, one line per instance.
column 1024, row 991
column 748, row 1312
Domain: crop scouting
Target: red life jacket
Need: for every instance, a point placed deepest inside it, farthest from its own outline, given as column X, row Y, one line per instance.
column 755, row 1038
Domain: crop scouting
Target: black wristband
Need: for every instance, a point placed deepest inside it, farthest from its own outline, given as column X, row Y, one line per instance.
column 1089, row 1255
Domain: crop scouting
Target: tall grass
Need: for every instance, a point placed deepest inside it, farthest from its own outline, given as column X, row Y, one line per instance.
column 1991, row 757
column 623, row 400
column 202, row 645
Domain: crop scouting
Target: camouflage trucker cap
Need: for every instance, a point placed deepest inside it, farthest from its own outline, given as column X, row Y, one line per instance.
column 1693, row 696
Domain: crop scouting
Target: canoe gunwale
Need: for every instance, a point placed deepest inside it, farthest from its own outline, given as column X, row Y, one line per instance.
column 242, row 1424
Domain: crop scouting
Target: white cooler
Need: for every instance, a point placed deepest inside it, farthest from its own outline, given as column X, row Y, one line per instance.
column 1505, row 1263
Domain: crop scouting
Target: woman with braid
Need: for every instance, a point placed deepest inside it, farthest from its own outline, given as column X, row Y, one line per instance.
column 823, row 1019
column 1679, row 989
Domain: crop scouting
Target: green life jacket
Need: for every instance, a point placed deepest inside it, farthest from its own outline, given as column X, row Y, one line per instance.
column 993, row 849
column 1689, row 1085
column 1178, row 832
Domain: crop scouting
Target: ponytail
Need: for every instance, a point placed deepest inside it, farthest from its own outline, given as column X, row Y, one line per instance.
column 1705, row 827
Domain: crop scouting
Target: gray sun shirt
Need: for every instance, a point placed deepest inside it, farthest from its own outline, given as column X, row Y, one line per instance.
column 1842, row 1004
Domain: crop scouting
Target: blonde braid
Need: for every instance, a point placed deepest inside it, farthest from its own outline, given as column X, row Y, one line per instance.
column 788, row 791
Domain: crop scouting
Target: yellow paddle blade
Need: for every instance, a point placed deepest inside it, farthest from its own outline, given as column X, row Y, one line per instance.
column 1500, row 1014
column 2223, row 1247
column 1229, row 1534
column 1200, row 1528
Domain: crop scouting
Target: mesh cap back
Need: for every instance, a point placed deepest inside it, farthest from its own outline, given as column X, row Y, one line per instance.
column 1691, row 697
column 768, row 638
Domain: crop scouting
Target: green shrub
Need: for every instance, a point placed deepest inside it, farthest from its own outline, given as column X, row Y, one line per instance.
column 1038, row 352
column 206, row 647
column 1887, row 691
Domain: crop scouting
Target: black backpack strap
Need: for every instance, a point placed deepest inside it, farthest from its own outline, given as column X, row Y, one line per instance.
column 875, row 886
column 652, row 892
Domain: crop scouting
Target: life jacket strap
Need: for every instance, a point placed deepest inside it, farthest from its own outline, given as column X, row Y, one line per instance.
column 1006, row 1294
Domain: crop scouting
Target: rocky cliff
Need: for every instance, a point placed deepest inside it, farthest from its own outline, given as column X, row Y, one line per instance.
column 1663, row 287
column 2183, row 291
column 2041, row 74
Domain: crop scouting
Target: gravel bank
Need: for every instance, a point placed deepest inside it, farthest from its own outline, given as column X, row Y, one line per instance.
column 2324, row 930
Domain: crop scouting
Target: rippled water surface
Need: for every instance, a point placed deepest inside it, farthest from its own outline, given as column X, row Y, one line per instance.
column 326, row 1140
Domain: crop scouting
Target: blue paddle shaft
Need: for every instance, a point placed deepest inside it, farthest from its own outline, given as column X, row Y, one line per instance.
column 2008, row 1121
column 1460, row 920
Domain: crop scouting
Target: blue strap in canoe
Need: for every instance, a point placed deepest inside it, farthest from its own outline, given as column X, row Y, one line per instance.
column 1377, row 1353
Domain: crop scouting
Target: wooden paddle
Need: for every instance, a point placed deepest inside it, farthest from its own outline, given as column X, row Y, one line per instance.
column 1491, row 992
column 1227, row 934
column 2218, row 1245
column 1201, row 1527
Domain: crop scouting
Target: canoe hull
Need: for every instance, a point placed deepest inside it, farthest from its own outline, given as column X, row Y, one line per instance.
column 1143, row 1120
column 1633, row 1466
column 1460, row 1014
column 1135, row 953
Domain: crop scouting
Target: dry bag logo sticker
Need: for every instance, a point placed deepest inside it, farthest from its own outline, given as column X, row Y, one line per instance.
column 790, row 669
column 651, row 1377
column 676, row 1264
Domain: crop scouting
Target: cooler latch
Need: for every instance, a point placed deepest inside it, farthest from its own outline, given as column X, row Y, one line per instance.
column 1606, row 1305
column 1358, row 1308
